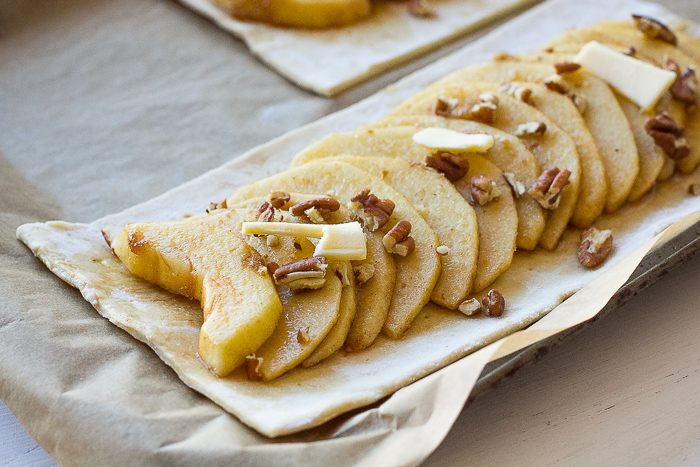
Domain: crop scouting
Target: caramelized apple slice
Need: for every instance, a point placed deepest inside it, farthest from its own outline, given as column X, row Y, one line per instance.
column 312, row 14
column 200, row 259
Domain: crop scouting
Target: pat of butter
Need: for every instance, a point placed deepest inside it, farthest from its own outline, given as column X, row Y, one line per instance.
column 337, row 241
column 639, row 81
column 442, row 138
column 342, row 242
column 283, row 228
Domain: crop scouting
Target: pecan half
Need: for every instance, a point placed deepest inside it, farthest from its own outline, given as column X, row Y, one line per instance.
column 685, row 87
column 493, row 303
column 452, row 166
column 483, row 190
column 315, row 208
column 398, row 241
column 562, row 68
column 470, row 307
column 654, row 29
column 421, row 9
column 547, row 188
column 363, row 272
column 279, row 198
column 517, row 90
column 252, row 367
column 516, row 185
column 531, row 129
column 321, row 204
column 373, row 212
column 668, row 136
column 595, row 247
column 304, row 274
column 557, row 84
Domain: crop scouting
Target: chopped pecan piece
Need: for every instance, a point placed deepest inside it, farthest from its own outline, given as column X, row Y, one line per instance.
column 654, row 29
column 342, row 273
column 363, row 272
column 267, row 213
column 557, row 84
column 252, row 367
column 547, row 188
column 314, row 209
column 421, row 9
column 452, row 166
column 516, row 185
column 304, row 274
column 483, row 190
column 449, row 107
column 562, row 68
column 493, row 303
column 531, row 129
column 219, row 205
column 631, row 51
column 503, row 57
column 470, row 307
column 595, row 247
column 685, row 87
column 484, row 110
column 398, row 241
column 273, row 241
column 668, row 136
column 303, row 336
column 279, row 198
column 517, row 90
column 373, row 212
column 321, row 204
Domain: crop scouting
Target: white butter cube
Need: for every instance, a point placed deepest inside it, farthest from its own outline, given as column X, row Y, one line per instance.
column 639, row 81
column 444, row 139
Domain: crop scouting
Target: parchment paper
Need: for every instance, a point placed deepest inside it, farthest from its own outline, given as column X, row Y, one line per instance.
column 330, row 61
column 393, row 433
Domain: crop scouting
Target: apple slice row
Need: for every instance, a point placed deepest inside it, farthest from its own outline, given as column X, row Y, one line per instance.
column 624, row 35
column 441, row 220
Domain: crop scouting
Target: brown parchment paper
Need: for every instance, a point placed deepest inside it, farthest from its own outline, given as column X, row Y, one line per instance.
column 332, row 60
column 107, row 399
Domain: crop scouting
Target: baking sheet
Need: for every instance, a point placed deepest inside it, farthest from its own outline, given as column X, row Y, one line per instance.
column 332, row 60
column 442, row 421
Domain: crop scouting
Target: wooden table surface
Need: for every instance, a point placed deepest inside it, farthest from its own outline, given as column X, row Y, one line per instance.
column 623, row 392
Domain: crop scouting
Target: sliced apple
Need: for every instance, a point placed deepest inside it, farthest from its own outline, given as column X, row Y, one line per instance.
column 357, row 328
column 312, row 14
column 417, row 273
column 203, row 260
column 554, row 149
